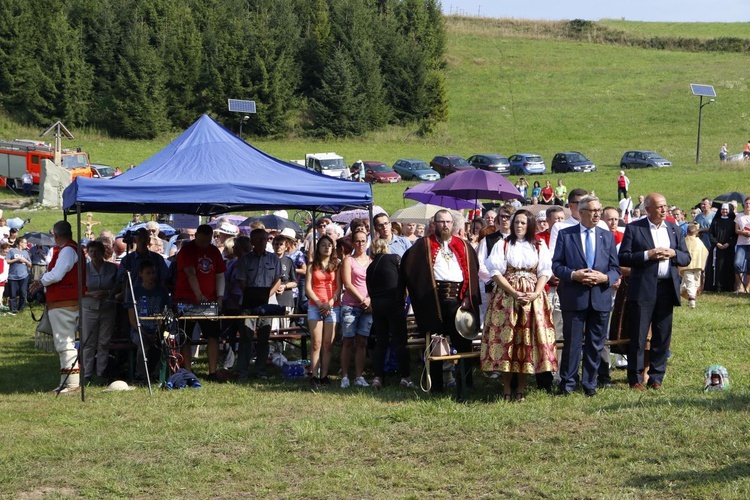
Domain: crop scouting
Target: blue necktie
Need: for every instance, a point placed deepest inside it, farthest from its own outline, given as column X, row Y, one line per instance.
column 590, row 248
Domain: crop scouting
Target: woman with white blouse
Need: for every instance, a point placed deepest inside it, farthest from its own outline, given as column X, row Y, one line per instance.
column 519, row 336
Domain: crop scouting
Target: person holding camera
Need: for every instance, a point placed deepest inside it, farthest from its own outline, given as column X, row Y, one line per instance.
column 61, row 285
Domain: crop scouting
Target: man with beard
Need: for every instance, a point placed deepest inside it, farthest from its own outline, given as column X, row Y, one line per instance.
column 440, row 272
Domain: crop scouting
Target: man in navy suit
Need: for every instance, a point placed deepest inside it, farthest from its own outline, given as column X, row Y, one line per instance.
column 654, row 249
column 585, row 261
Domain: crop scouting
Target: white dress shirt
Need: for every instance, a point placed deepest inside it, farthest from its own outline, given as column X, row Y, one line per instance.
column 661, row 239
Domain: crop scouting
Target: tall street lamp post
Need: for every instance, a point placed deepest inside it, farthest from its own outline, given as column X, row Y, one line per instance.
column 700, row 113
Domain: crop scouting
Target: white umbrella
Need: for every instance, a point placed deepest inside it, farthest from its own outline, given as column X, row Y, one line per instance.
column 347, row 216
column 420, row 213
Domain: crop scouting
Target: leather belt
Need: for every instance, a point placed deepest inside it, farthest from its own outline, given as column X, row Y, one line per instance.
column 448, row 289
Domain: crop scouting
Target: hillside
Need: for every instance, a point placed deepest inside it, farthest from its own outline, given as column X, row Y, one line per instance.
column 519, row 87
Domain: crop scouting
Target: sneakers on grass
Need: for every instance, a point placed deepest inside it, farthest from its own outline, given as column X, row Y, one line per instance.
column 345, row 382
column 361, row 382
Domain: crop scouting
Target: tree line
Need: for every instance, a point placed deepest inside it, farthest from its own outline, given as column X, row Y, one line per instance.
column 138, row 68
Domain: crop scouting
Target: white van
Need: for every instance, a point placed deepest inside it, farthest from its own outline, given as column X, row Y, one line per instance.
column 329, row 164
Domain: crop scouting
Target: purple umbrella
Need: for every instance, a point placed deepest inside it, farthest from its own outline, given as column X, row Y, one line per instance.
column 423, row 193
column 471, row 184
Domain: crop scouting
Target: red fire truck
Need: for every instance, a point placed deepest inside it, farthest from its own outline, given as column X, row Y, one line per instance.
column 20, row 156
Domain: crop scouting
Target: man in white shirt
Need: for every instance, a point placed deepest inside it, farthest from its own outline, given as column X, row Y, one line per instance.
column 654, row 250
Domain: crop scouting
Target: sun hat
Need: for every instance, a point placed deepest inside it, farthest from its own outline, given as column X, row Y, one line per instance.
column 118, row 385
column 287, row 232
column 467, row 324
column 541, row 215
column 228, row 228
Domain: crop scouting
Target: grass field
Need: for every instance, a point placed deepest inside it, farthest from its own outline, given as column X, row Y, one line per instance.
column 279, row 439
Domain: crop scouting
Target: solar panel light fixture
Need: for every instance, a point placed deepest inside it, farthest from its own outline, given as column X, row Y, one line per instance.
column 241, row 106
column 701, row 91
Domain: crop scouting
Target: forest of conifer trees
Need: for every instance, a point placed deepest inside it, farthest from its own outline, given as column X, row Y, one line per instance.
column 138, row 68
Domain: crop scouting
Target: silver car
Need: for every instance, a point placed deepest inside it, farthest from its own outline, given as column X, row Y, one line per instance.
column 643, row 159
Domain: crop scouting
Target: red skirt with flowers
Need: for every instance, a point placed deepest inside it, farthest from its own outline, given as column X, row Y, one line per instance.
column 518, row 339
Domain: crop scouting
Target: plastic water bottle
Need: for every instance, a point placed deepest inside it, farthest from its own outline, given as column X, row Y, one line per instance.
column 143, row 306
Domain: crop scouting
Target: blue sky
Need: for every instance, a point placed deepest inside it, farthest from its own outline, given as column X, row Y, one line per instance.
column 593, row 10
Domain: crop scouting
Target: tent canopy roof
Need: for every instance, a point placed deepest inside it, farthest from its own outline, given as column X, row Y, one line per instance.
column 207, row 170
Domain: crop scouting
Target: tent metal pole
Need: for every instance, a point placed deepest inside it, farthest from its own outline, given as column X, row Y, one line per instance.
column 81, row 264
column 372, row 225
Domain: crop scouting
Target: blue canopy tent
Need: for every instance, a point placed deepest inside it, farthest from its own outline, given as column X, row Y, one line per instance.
column 208, row 170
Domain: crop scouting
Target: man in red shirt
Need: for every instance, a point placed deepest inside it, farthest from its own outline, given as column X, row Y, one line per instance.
column 200, row 278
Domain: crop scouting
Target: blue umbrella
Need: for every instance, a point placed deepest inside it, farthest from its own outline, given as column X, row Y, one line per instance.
column 423, row 193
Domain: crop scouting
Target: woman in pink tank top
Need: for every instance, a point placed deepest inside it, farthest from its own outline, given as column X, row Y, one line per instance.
column 356, row 314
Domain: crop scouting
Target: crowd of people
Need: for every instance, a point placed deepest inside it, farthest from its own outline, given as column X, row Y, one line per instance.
column 543, row 286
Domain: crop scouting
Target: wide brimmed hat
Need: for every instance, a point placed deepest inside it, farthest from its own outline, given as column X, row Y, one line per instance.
column 287, row 232
column 467, row 324
column 228, row 228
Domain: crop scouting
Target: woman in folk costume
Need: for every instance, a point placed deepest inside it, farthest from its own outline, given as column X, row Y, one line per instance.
column 519, row 335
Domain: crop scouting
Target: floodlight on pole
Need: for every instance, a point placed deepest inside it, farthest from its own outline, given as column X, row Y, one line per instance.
column 701, row 91
column 243, row 120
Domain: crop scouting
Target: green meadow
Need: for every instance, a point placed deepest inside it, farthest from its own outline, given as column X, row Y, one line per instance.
column 512, row 88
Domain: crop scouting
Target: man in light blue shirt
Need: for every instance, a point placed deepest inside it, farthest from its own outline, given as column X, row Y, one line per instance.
column 397, row 244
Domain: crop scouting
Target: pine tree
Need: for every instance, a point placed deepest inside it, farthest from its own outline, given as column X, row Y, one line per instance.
column 336, row 104
column 139, row 97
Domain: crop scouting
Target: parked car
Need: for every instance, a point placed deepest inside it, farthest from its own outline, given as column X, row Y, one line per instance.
column 572, row 161
column 492, row 163
column 527, row 164
column 446, row 165
column 411, row 169
column 643, row 159
column 377, row 171
column 102, row 171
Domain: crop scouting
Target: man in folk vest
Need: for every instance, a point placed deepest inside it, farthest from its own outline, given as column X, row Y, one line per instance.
column 61, row 284
column 440, row 272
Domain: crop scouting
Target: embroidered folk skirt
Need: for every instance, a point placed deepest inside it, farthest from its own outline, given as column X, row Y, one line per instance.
column 519, row 339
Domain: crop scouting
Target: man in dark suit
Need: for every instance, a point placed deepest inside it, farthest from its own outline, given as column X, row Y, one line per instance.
column 585, row 262
column 654, row 249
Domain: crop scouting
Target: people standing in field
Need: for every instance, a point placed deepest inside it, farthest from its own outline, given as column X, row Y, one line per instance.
column 692, row 274
column 742, row 250
column 560, row 193
column 623, row 184
column 720, row 276
column 519, row 336
column 356, row 310
column 654, row 249
column 440, row 273
column 723, row 153
column 323, row 288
